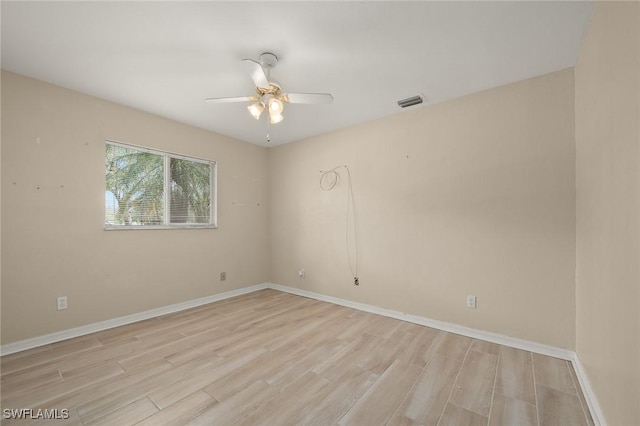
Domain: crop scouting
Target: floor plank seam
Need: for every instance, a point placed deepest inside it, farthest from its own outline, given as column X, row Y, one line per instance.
column 535, row 389
column 453, row 386
column 493, row 390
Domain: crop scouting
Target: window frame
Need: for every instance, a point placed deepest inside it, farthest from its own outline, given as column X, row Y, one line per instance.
column 167, row 156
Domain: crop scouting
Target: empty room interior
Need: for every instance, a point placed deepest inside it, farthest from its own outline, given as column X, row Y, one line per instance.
column 319, row 213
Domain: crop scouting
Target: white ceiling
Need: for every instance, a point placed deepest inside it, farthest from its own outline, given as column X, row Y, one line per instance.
column 166, row 57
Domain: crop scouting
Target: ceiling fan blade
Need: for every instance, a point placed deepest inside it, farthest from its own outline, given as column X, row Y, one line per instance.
column 257, row 73
column 308, row 98
column 228, row 100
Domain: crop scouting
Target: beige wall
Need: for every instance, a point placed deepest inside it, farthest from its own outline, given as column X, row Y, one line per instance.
column 472, row 196
column 53, row 242
column 608, row 209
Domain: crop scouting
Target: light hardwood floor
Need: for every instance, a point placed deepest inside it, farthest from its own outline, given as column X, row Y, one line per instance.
column 272, row 358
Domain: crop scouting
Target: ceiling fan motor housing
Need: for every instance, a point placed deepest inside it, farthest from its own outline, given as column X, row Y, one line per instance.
column 273, row 89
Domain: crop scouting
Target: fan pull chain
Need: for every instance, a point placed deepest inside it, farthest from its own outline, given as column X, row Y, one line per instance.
column 268, row 137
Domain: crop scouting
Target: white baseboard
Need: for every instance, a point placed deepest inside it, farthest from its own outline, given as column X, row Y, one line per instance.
column 116, row 322
column 500, row 339
column 587, row 390
column 440, row 325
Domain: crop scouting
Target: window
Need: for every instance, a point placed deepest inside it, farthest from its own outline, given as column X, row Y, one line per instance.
column 152, row 189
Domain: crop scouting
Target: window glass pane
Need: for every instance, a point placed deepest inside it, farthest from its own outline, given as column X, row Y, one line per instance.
column 134, row 193
column 190, row 201
column 148, row 188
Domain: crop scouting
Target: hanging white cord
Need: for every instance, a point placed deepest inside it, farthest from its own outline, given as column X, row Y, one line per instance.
column 328, row 181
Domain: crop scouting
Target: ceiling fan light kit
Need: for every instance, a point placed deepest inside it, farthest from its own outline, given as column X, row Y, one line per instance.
column 275, row 118
column 270, row 94
column 275, row 106
column 256, row 109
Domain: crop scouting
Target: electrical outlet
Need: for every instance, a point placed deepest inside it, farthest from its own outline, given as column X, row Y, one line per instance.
column 356, row 281
column 223, row 276
column 301, row 273
column 62, row 303
column 471, row 302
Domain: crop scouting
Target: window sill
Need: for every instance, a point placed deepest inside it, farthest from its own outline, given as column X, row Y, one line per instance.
column 156, row 227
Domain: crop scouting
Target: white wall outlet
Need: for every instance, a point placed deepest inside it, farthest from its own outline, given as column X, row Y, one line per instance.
column 62, row 303
column 223, row 276
column 471, row 302
column 301, row 273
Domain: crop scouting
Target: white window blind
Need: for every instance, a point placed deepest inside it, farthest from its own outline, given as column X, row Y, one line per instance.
column 152, row 189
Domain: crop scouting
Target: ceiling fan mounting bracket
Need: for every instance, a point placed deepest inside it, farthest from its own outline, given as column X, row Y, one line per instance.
column 268, row 60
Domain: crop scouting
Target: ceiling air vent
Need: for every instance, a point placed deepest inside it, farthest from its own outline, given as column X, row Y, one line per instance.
column 414, row 100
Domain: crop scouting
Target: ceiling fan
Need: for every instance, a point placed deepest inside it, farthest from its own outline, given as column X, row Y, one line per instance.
column 269, row 94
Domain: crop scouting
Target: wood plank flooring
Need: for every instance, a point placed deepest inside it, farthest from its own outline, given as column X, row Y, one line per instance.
column 272, row 358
